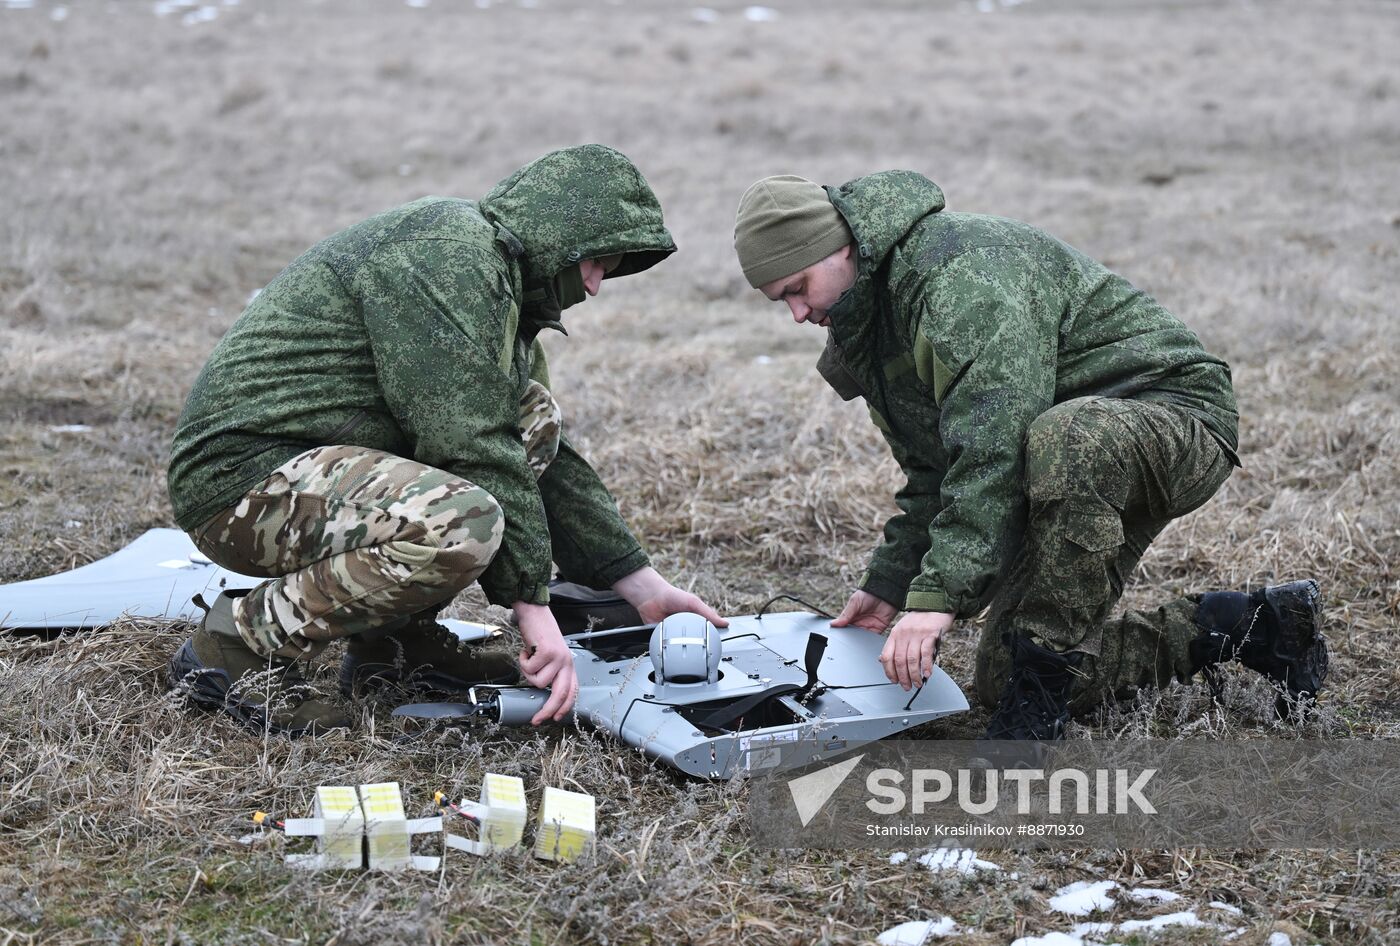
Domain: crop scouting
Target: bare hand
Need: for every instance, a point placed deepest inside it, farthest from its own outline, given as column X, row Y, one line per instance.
column 546, row 661
column 912, row 645
column 655, row 598
column 867, row 611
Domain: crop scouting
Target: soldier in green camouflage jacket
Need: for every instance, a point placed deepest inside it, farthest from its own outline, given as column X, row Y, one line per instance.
column 1050, row 418
column 376, row 432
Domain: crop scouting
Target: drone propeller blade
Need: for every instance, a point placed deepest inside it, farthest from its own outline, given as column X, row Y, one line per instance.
column 437, row 710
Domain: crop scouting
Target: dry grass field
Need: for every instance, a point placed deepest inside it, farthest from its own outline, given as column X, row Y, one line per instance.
column 1239, row 160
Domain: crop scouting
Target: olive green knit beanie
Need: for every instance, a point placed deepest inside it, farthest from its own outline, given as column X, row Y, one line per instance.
column 785, row 224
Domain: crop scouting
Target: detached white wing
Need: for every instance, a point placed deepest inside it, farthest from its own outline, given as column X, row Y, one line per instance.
column 153, row 577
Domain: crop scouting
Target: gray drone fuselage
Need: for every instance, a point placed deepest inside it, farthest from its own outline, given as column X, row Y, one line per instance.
column 708, row 702
column 722, row 724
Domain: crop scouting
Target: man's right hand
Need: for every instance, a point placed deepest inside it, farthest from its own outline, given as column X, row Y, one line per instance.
column 546, row 661
column 867, row 611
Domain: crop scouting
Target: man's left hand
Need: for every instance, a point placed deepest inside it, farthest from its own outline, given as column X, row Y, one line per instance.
column 910, row 649
column 656, row 598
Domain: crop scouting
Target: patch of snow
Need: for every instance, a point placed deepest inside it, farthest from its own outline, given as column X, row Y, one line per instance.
column 956, row 859
column 1083, row 897
column 760, row 14
column 1227, row 907
column 917, row 932
column 72, row 524
column 763, row 360
column 69, row 428
column 1049, row 939
column 898, row 857
column 1185, row 918
column 704, row 15
column 1279, row 939
column 1148, row 894
column 1091, row 929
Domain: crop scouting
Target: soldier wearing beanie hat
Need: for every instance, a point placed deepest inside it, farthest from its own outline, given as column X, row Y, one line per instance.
column 794, row 244
column 786, row 223
column 1051, row 420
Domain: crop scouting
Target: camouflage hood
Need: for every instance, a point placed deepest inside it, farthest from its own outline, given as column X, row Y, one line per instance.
column 881, row 208
column 574, row 204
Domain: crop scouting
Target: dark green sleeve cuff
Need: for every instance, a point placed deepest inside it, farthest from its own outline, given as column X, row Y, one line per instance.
column 608, row 575
column 883, row 588
column 533, row 594
column 527, row 590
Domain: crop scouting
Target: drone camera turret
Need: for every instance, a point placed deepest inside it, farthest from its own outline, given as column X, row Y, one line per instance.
column 685, row 650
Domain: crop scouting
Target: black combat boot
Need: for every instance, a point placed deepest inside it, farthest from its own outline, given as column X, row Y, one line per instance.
column 1035, row 702
column 216, row 670
column 1276, row 631
column 423, row 657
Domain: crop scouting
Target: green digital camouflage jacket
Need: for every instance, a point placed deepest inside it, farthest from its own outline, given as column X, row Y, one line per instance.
column 415, row 332
column 960, row 330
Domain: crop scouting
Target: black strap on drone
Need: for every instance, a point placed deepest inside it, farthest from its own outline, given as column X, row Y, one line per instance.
column 722, row 717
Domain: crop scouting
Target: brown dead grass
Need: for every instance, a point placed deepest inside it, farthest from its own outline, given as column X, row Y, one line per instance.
column 1241, row 161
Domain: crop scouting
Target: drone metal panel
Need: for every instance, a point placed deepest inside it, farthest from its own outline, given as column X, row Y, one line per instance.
column 853, row 703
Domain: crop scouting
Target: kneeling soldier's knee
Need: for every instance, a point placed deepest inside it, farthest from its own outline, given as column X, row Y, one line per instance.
column 1064, row 451
column 474, row 537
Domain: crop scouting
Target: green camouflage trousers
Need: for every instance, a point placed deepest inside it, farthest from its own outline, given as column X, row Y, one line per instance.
column 356, row 539
column 1104, row 476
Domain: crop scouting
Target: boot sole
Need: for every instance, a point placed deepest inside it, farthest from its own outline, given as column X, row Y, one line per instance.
column 1300, row 647
column 208, row 688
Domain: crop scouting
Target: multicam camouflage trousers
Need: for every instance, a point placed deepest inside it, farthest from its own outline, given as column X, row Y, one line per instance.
column 1104, row 476
column 356, row 540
